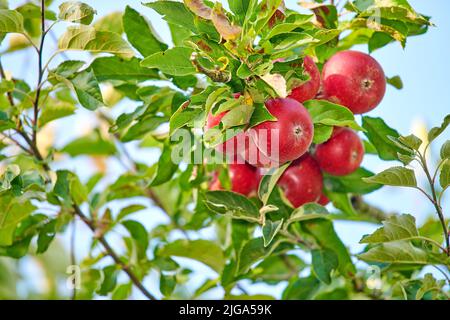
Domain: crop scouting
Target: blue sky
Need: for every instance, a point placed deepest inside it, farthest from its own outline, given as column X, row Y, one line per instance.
column 423, row 66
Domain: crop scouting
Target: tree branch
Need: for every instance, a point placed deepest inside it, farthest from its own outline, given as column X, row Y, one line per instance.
column 40, row 74
column 113, row 255
column 368, row 210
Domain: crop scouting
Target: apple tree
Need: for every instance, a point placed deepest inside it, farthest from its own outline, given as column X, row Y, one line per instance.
column 260, row 117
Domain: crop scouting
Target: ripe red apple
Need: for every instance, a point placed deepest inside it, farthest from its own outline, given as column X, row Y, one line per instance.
column 302, row 182
column 355, row 80
column 323, row 200
column 309, row 89
column 342, row 154
column 272, row 143
column 244, row 179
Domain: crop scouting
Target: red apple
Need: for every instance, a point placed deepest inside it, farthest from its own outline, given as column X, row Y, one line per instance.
column 323, row 200
column 244, row 179
column 342, row 154
column 302, row 182
column 272, row 143
column 355, row 80
column 309, row 89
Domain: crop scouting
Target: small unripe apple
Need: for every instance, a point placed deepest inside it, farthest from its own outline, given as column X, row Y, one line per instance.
column 273, row 143
column 302, row 182
column 244, row 179
column 355, row 80
column 342, row 154
column 310, row 88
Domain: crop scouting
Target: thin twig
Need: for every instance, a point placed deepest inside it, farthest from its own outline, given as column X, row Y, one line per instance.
column 40, row 74
column 436, row 204
column 73, row 261
column 113, row 255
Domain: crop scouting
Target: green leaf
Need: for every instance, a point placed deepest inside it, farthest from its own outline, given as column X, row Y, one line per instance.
column 46, row 236
column 204, row 251
column 402, row 227
column 110, row 22
column 323, row 263
column 429, row 284
column 378, row 133
column 122, row 291
column 91, row 144
column 166, row 167
column 13, row 210
column 139, row 234
column 141, row 34
column 11, row 172
column 411, row 141
column 54, row 109
column 84, row 83
column 398, row 252
column 129, row 210
column 11, row 21
column 270, row 230
column 69, row 188
column 352, row 183
column 437, row 131
column 445, row 150
column 308, row 211
column 87, row 38
column 5, row 122
column 109, row 280
column 396, row 82
column 230, row 203
column 260, row 114
column 322, row 133
column 115, row 68
column 167, row 284
column 76, row 12
column 175, row 61
column 269, row 181
column 323, row 231
column 395, row 176
column 254, row 250
column 32, row 11
column 239, row 8
column 301, row 289
column 330, row 114
column 444, row 178
column 174, row 12
column 341, row 201
column 277, row 268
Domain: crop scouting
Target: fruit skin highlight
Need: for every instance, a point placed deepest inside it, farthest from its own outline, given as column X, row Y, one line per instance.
column 273, row 143
column 342, row 154
column 309, row 89
column 244, row 179
column 302, row 182
column 355, row 80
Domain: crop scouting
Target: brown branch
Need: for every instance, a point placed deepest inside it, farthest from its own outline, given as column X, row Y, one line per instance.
column 40, row 75
column 372, row 212
column 113, row 255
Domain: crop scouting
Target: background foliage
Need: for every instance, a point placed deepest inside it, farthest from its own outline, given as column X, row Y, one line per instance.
column 238, row 239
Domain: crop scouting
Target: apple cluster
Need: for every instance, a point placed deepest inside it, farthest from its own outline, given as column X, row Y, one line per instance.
column 349, row 78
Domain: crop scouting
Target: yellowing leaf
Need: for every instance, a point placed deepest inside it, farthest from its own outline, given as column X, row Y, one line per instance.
column 223, row 25
column 89, row 39
column 199, row 8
